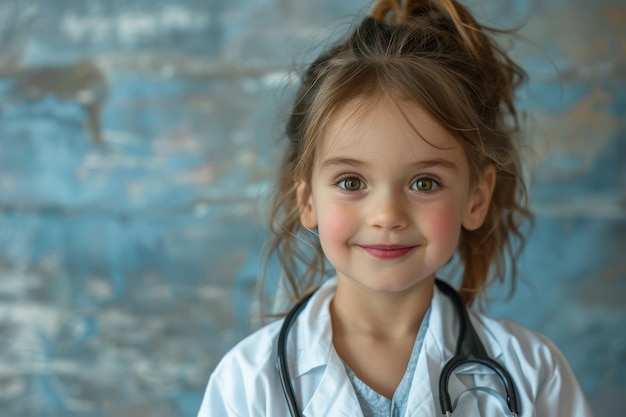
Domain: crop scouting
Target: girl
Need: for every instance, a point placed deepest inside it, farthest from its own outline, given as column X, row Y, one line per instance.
column 401, row 154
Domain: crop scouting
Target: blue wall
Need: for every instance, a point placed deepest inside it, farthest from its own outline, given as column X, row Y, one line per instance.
column 136, row 137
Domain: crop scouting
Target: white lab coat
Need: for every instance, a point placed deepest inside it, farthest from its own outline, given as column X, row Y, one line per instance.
column 246, row 382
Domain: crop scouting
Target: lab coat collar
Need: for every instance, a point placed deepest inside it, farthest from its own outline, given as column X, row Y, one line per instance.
column 334, row 395
column 314, row 349
column 313, row 331
column 444, row 329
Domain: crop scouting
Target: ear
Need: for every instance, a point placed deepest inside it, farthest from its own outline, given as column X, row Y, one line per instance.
column 480, row 199
column 305, row 205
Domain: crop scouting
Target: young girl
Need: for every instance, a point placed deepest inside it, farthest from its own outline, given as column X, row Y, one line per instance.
column 401, row 154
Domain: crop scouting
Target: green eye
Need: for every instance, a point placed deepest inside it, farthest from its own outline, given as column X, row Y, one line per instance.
column 424, row 184
column 351, row 184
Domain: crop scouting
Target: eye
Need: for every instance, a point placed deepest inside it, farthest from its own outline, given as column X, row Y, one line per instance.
column 424, row 184
column 351, row 184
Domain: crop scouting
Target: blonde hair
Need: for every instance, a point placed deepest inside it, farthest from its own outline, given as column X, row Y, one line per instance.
column 435, row 54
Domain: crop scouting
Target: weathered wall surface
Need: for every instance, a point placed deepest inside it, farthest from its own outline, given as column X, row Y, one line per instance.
column 136, row 137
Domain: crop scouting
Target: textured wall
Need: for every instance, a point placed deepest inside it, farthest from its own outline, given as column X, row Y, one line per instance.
column 136, row 136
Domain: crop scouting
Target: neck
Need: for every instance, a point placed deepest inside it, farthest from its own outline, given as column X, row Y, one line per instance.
column 357, row 309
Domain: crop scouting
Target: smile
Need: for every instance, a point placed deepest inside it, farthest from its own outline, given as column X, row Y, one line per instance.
column 388, row 251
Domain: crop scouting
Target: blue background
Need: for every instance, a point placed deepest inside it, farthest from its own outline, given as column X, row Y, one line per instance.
column 137, row 138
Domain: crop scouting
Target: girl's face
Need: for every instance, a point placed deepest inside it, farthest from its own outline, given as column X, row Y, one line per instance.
column 389, row 206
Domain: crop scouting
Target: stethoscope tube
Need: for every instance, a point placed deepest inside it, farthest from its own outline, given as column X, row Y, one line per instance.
column 281, row 359
column 469, row 349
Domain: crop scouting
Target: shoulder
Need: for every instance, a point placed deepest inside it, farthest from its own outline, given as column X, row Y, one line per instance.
column 258, row 351
column 253, row 357
column 503, row 338
column 246, row 382
column 244, row 379
column 543, row 375
column 514, row 342
column 510, row 334
column 518, row 348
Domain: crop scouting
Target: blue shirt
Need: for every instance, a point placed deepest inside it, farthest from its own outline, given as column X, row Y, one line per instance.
column 374, row 404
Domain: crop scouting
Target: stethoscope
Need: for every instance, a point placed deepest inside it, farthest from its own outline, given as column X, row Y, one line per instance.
column 469, row 349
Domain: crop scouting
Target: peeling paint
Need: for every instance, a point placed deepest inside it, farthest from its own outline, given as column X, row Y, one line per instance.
column 132, row 26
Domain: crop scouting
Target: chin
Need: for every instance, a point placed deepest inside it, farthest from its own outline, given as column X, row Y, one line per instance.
column 396, row 285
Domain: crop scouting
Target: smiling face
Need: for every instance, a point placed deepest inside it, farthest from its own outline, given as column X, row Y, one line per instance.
column 389, row 205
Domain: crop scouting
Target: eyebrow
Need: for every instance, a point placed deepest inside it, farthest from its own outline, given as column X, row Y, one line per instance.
column 343, row 161
column 423, row 164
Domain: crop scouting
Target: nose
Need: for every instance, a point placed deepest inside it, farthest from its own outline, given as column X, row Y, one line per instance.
column 389, row 211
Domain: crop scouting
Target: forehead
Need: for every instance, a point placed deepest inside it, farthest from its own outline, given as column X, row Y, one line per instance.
column 381, row 127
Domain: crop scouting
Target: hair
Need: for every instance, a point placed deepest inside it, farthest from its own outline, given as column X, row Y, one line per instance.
column 435, row 54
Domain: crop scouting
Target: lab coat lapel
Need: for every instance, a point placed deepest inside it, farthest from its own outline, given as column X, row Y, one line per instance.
column 328, row 391
column 334, row 395
column 439, row 347
column 422, row 399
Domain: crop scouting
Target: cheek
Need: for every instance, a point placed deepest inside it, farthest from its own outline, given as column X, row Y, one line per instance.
column 443, row 224
column 335, row 224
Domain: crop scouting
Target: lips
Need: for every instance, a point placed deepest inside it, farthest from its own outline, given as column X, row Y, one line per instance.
column 388, row 251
